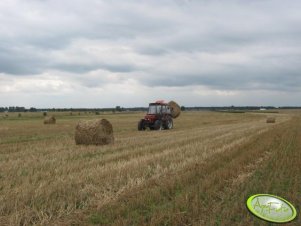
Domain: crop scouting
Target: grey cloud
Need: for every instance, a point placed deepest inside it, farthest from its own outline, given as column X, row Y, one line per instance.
column 236, row 78
column 84, row 68
column 151, row 50
column 123, row 68
column 160, row 31
column 18, row 62
column 121, row 22
column 76, row 68
column 49, row 42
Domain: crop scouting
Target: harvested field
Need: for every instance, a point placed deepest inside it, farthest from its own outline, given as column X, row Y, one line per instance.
column 199, row 173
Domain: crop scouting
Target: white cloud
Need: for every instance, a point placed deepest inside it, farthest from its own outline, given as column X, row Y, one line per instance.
column 44, row 83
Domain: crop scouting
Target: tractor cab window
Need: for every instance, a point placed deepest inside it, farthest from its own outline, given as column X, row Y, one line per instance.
column 159, row 109
column 168, row 110
column 152, row 109
column 165, row 109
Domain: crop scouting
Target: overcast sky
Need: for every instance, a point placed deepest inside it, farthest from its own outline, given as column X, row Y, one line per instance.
column 93, row 53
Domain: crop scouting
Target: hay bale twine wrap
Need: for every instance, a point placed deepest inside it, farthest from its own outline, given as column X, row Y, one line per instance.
column 50, row 120
column 271, row 120
column 97, row 132
column 175, row 109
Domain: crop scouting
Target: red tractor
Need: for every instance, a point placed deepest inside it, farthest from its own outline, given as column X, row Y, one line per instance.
column 158, row 117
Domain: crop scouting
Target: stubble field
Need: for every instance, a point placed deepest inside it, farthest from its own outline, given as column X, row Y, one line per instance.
column 199, row 173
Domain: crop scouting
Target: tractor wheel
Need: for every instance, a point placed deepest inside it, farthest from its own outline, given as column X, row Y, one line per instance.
column 158, row 125
column 141, row 125
column 169, row 124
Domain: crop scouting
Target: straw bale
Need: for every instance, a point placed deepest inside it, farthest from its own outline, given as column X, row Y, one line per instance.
column 97, row 132
column 50, row 120
column 175, row 109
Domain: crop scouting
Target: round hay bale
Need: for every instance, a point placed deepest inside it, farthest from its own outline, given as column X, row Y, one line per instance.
column 50, row 120
column 97, row 132
column 175, row 109
column 271, row 120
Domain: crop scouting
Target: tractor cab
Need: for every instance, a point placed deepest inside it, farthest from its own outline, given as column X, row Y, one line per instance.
column 158, row 108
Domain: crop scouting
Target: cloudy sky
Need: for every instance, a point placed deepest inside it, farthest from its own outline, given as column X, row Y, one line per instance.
column 93, row 53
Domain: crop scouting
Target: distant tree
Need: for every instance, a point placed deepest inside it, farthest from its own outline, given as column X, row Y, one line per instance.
column 19, row 109
column 44, row 113
column 183, row 108
column 118, row 108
